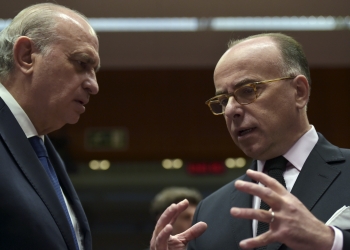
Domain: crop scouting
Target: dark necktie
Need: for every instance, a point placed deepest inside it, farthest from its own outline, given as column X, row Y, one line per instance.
column 40, row 150
column 274, row 168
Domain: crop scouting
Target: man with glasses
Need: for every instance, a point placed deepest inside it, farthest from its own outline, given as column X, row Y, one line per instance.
column 297, row 180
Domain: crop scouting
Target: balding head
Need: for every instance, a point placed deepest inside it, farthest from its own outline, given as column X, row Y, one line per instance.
column 38, row 22
column 293, row 56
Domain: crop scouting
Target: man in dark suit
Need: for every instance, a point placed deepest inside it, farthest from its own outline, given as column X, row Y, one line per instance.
column 48, row 60
column 262, row 88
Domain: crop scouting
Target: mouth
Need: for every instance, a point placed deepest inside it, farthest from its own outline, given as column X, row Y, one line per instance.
column 245, row 131
column 82, row 102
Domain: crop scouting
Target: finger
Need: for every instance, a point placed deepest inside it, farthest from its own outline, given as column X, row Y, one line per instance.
column 161, row 242
column 266, row 194
column 267, row 181
column 169, row 216
column 261, row 240
column 180, row 207
column 193, row 232
column 250, row 213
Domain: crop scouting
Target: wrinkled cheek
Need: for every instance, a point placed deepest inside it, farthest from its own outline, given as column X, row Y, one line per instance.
column 230, row 128
column 229, row 124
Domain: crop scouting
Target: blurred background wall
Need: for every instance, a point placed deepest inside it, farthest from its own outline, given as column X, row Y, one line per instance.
column 148, row 128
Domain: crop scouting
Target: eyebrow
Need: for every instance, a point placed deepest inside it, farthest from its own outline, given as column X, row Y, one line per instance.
column 86, row 58
column 238, row 85
column 97, row 68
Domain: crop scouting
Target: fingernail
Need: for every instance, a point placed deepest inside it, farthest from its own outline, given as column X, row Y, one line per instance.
column 183, row 201
column 235, row 211
column 168, row 228
column 239, row 184
column 243, row 244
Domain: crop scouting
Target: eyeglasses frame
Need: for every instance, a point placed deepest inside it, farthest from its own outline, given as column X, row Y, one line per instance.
column 234, row 96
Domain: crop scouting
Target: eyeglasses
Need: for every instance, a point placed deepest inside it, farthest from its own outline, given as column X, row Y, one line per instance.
column 244, row 95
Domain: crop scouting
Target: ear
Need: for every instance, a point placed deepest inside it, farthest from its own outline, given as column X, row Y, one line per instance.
column 302, row 92
column 23, row 51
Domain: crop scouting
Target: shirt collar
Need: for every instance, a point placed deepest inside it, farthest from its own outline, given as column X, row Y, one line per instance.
column 299, row 152
column 21, row 117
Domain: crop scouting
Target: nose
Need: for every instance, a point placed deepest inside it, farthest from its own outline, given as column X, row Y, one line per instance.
column 233, row 109
column 90, row 85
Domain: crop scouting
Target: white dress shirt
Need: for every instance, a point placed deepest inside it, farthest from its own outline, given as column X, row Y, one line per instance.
column 296, row 157
column 30, row 131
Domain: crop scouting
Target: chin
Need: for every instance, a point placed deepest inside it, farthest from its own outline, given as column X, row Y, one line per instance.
column 73, row 120
column 251, row 152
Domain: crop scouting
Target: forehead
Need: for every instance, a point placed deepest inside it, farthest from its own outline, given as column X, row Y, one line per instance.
column 75, row 20
column 77, row 35
column 255, row 59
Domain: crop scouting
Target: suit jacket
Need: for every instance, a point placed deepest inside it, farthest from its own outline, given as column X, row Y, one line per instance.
column 322, row 186
column 31, row 216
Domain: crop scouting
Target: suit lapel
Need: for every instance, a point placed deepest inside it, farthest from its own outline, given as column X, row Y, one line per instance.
column 69, row 192
column 242, row 228
column 317, row 175
column 26, row 159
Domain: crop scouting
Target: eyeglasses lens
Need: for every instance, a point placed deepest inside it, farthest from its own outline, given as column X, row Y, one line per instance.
column 216, row 107
column 245, row 94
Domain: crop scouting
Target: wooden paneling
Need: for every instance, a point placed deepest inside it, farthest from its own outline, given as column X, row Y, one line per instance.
column 329, row 107
column 165, row 114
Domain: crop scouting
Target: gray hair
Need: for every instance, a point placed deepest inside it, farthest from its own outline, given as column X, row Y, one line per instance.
column 293, row 56
column 38, row 22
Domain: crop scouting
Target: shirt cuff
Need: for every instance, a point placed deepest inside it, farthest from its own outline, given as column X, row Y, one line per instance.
column 338, row 239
